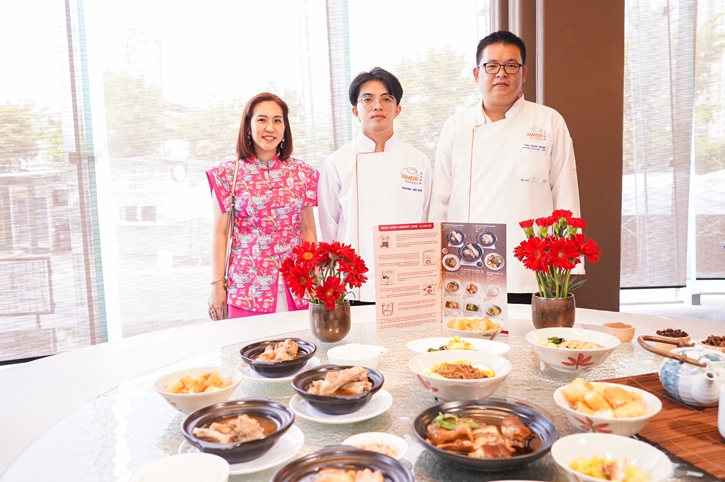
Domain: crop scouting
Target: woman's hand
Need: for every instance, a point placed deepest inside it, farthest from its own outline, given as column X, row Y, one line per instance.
column 218, row 302
column 218, row 298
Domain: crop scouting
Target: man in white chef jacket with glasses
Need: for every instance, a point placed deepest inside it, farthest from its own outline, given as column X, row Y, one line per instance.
column 375, row 179
column 506, row 159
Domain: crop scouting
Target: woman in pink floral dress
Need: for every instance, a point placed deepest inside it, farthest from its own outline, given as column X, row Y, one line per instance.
column 273, row 203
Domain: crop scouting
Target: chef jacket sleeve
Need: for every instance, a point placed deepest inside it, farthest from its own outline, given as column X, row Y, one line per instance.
column 442, row 181
column 427, row 186
column 562, row 174
column 328, row 197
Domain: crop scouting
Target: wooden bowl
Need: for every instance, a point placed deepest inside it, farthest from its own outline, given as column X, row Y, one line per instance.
column 623, row 331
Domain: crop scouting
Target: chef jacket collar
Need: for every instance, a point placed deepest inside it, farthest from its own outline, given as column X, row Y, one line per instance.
column 482, row 118
column 369, row 144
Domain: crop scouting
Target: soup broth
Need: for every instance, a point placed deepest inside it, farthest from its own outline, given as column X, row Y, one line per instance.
column 268, row 425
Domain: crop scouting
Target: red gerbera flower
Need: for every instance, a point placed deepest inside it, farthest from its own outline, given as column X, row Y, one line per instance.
column 298, row 279
column 578, row 223
column 526, row 224
column 564, row 253
column 307, row 252
column 355, row 272
column 562, row 213
column 587, row 247
column 533, row 253
column 330, row 292
column 558, row 248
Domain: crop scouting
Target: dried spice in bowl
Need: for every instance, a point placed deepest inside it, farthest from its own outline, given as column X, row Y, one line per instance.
column 672, row 333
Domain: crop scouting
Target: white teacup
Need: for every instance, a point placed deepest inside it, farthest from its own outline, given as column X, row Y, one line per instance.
column 721, row 412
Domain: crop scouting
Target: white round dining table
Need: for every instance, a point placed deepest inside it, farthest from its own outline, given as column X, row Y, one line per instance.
column 92, row 414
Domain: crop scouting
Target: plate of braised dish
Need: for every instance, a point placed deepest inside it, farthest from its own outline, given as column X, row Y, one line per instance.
column 485, row 435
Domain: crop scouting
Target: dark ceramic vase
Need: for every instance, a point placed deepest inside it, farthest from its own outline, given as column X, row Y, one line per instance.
column 330, row 326
column 553, row 312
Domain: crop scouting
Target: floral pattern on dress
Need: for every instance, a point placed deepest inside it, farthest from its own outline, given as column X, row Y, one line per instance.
column 269, row 200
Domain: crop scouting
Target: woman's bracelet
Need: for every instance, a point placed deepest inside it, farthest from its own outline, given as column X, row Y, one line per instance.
column 218, row 280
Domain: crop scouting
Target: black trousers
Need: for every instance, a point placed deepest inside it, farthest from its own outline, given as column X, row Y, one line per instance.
column 519, row 298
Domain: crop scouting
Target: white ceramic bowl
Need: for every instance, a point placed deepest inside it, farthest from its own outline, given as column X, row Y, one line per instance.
column 488, row 334
column 368, row 440
column 618, row 426
column 568, row 360
column 645, row 457
column 187, row 403
column 421, row 345
column 449, row 390
column 356, row 354
column 197, row 467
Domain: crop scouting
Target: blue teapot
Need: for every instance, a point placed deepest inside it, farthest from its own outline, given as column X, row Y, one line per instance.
column 691, row 375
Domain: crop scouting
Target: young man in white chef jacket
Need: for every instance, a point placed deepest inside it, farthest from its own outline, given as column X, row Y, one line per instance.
column 506, row 159
column 375, row 179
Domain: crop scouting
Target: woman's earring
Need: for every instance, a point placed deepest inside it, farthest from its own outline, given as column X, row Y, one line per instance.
column 281, row 144
column 249, row 140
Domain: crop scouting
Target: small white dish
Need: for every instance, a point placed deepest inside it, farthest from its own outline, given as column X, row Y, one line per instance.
column 285, row 449
column 572, row 360
column 355, row 354
column 421, row 345
column 487, row 334
column 251, row 375
column 618, row 426
column 189, row 402
column 187, row 466
column 650, row 460
column 367, row 439
column 450, row 389
column 379, row 403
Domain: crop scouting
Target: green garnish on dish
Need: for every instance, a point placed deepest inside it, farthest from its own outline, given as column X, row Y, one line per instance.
column 454, row 343
column 555, row 340
column 449, row 421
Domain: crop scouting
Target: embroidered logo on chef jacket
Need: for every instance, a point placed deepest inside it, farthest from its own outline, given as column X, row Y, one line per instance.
column 411, row 179
column 535, row 140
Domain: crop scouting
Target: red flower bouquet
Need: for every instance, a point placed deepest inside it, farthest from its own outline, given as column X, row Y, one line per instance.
column 322, row 273
column 552, row 249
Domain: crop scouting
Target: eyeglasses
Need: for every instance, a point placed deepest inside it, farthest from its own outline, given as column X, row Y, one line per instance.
column 386, row 100
column 495, row 67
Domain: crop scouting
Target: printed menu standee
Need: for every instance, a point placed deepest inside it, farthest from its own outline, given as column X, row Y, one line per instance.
column 428, row 273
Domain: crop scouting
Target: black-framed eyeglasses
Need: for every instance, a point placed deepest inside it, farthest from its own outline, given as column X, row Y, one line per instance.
column 386, row 100
column 494, row 67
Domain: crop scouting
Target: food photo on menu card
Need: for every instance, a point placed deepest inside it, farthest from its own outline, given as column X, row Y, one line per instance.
column 452, row 274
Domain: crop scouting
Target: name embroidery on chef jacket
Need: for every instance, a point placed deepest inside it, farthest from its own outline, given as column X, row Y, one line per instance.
column 535, row 140
column 411, row 179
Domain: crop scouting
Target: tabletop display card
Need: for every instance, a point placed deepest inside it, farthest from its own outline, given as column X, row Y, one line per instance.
column 428, row 273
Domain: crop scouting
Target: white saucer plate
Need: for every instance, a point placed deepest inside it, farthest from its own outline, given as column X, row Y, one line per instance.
column 379, row 403
column 253, row 376
column 421, row 345
column 286, row 447
column 397, row 444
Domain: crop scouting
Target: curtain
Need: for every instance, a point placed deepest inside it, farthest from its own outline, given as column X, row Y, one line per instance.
column 709, row 138
column 673, row 203
column 658, row 108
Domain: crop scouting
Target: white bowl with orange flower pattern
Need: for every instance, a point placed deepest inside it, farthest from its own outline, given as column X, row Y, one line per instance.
column 572, row 360
column 455, row 389
column 599, row 424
